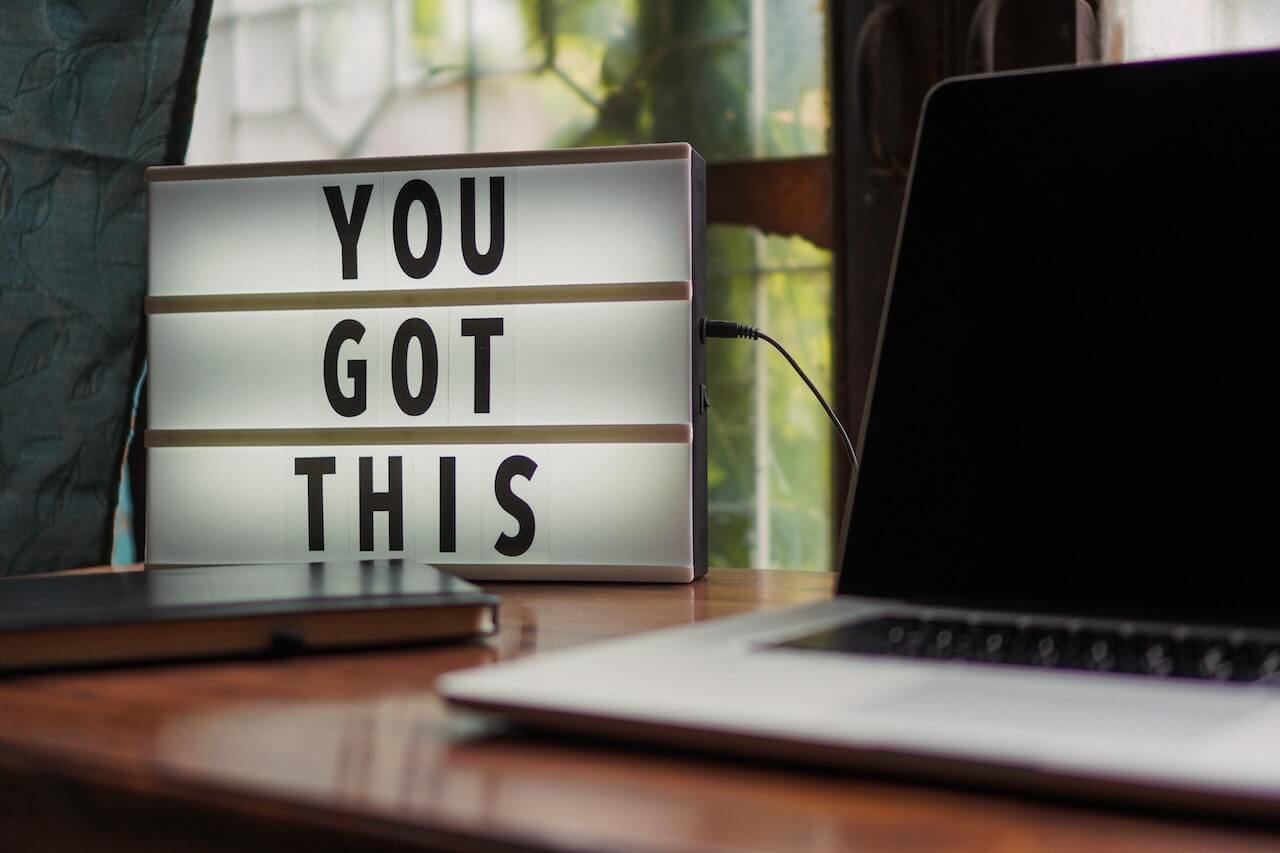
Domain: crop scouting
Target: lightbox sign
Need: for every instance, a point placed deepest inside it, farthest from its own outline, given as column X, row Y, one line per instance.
column 488, row 362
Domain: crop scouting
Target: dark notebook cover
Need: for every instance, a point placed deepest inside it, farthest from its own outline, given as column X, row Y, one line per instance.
column 232, row 609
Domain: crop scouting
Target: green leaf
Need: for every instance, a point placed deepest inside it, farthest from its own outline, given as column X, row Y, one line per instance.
column 620, row 61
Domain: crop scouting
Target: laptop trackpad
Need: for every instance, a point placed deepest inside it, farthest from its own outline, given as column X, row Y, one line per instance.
column 1035, row 707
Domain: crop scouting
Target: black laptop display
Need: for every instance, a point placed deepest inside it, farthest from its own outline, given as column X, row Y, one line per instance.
column 1115, row 448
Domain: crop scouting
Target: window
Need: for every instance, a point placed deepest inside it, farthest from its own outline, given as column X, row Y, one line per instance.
column 739, row 79
column 1148, row 29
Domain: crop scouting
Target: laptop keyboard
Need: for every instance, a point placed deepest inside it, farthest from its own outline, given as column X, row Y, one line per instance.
column 1167, row 655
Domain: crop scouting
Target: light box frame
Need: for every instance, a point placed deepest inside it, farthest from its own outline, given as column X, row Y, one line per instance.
column 315, row 300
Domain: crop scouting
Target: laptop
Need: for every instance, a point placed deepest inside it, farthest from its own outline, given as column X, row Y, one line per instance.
column 1059, row 559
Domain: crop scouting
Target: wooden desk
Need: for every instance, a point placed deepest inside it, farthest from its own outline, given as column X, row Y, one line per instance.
column 355, row 751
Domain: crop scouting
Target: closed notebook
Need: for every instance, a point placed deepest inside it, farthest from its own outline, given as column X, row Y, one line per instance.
column 208, row 611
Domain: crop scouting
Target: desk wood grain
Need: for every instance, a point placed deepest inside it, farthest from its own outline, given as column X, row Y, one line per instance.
column 355, row 751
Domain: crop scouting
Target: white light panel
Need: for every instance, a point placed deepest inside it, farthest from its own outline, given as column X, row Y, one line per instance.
column 483, row 361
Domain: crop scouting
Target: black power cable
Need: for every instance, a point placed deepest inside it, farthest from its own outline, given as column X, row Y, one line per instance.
column 727, row 329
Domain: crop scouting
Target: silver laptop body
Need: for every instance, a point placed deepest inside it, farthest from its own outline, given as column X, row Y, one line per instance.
column 1059, row 555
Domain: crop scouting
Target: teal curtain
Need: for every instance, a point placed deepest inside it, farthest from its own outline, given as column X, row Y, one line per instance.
column 91, row 93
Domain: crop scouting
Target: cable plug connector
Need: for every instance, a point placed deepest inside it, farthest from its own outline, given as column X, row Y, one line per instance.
column 727, row 329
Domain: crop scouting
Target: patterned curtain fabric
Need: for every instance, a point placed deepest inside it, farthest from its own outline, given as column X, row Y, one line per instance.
column 91, row 93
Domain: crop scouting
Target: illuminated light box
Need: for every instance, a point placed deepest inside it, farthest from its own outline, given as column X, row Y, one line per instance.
column 489, row 362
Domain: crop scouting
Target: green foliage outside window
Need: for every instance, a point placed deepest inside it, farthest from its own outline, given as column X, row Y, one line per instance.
column 739, row 80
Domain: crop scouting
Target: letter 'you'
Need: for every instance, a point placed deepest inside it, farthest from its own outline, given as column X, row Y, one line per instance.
column 348, row 225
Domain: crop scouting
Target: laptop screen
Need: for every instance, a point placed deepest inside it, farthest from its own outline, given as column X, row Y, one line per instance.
column 1075, row 404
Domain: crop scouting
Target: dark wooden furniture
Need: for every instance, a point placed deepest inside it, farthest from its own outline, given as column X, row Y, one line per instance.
column 355, row 752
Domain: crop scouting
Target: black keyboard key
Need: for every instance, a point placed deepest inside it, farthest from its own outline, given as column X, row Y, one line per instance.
column 1171, row 655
